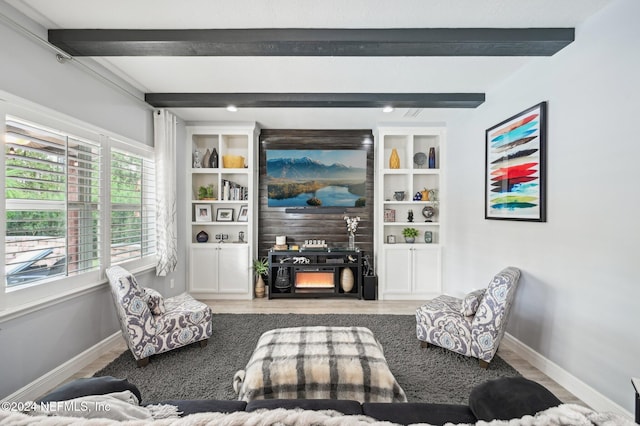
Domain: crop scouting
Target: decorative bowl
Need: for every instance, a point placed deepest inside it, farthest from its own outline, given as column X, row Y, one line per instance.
column 232, row 161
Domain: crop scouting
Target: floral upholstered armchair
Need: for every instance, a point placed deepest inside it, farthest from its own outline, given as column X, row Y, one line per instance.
column 472, row 326
column 152, row 325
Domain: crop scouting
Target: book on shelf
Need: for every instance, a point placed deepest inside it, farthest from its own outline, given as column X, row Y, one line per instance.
column 233, row 191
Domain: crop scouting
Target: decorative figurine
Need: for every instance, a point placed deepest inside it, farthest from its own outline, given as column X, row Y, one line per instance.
column 410, row 216
column 197, row 161
column 428, row 212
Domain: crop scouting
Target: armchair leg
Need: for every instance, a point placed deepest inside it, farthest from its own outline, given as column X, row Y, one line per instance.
column 483, row 364
column 424, row 344
column 203, row 343
column 143, row 362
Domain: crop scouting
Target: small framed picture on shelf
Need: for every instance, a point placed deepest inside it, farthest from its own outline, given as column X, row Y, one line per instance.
column 203, row 212
column 389, row 215
column 243, row 215
column 224, row 215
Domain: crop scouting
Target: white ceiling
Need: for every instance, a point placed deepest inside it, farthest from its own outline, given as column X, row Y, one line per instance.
column 310, row 74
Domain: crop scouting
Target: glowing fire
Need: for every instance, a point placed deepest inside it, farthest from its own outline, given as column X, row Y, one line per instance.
column 314, row 279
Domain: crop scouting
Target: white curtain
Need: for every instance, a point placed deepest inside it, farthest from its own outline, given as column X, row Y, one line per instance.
column 164, row 135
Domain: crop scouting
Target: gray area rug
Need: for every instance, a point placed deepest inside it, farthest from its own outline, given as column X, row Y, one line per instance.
column 426, row 375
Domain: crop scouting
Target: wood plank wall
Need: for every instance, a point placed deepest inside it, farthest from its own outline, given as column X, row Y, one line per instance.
column 299, row 227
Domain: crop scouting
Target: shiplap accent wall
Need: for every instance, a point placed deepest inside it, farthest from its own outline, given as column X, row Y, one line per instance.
column 299, row 227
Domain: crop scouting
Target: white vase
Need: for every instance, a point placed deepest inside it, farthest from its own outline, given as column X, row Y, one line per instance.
column 346, row 280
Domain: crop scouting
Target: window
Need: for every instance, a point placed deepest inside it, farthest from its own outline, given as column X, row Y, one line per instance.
column 52, row 185
column 73, row 206
column 132, row 206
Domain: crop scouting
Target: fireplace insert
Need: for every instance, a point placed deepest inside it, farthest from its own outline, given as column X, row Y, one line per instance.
column 314, row 279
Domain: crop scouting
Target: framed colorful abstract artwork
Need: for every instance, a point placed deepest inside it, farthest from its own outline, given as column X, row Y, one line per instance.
column 515, row 167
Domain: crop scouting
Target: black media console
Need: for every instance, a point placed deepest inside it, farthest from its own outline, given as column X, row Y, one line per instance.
column 311, row 273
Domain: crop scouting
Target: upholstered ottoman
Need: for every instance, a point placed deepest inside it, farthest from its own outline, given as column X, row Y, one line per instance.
column 318, row 363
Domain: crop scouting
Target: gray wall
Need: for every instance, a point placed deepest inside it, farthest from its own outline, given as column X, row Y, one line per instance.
column 578, row 300
column 34, row 344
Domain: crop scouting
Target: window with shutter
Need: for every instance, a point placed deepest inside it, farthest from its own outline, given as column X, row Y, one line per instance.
column 52, row 191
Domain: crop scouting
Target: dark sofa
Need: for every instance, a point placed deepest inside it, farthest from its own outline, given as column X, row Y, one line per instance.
column 499, row 399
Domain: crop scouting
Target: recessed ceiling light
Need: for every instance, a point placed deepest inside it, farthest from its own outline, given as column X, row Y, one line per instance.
column 232, row 108
column 388, row 108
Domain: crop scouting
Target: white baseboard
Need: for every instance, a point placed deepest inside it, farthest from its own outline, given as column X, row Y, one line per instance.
column 58, row 375
column 583, row 391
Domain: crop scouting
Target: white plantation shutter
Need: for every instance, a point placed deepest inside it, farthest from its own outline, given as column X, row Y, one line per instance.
column 83, row 192
column 52, row 190
column 133, row 209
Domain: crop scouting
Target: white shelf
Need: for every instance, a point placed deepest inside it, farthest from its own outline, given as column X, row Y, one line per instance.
column 209, row 171
column 411, row 171
column 219, row 201
column 411, row 223
column 215, row 242
column 204, row 171
column 234, row 223
column 410, row 245
column 426, row 203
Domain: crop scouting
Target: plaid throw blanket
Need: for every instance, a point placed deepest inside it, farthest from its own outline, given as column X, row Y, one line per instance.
column 318, row 363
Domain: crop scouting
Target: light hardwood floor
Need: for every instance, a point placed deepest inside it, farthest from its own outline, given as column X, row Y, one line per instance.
column 341, row 306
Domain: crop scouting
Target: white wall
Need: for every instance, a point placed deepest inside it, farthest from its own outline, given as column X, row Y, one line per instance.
column 577, row 304
column 31, row 71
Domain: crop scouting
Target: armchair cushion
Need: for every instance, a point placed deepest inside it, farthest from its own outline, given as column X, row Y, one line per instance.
column 182, row 313
column 447, row 327
column 155, row 301
column 471, row 302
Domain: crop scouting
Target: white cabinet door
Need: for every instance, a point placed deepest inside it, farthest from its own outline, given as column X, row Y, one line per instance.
column 426, row 271
column 397, row 272
column 220, row 268
column 410, row 272
column 233, row 268
column 203, row 263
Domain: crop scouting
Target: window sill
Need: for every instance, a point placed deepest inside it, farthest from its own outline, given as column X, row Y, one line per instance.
column 17, row 311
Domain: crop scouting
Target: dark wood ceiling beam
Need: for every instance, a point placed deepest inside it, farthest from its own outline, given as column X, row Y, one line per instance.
column 314, row 42
column 315, row 100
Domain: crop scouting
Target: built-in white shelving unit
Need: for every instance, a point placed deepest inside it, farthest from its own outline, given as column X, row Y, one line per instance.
column 410, row 270
column 221, row 269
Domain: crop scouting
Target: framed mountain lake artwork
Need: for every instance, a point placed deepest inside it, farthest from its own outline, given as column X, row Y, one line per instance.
column 315, row 178
column 515, row 167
